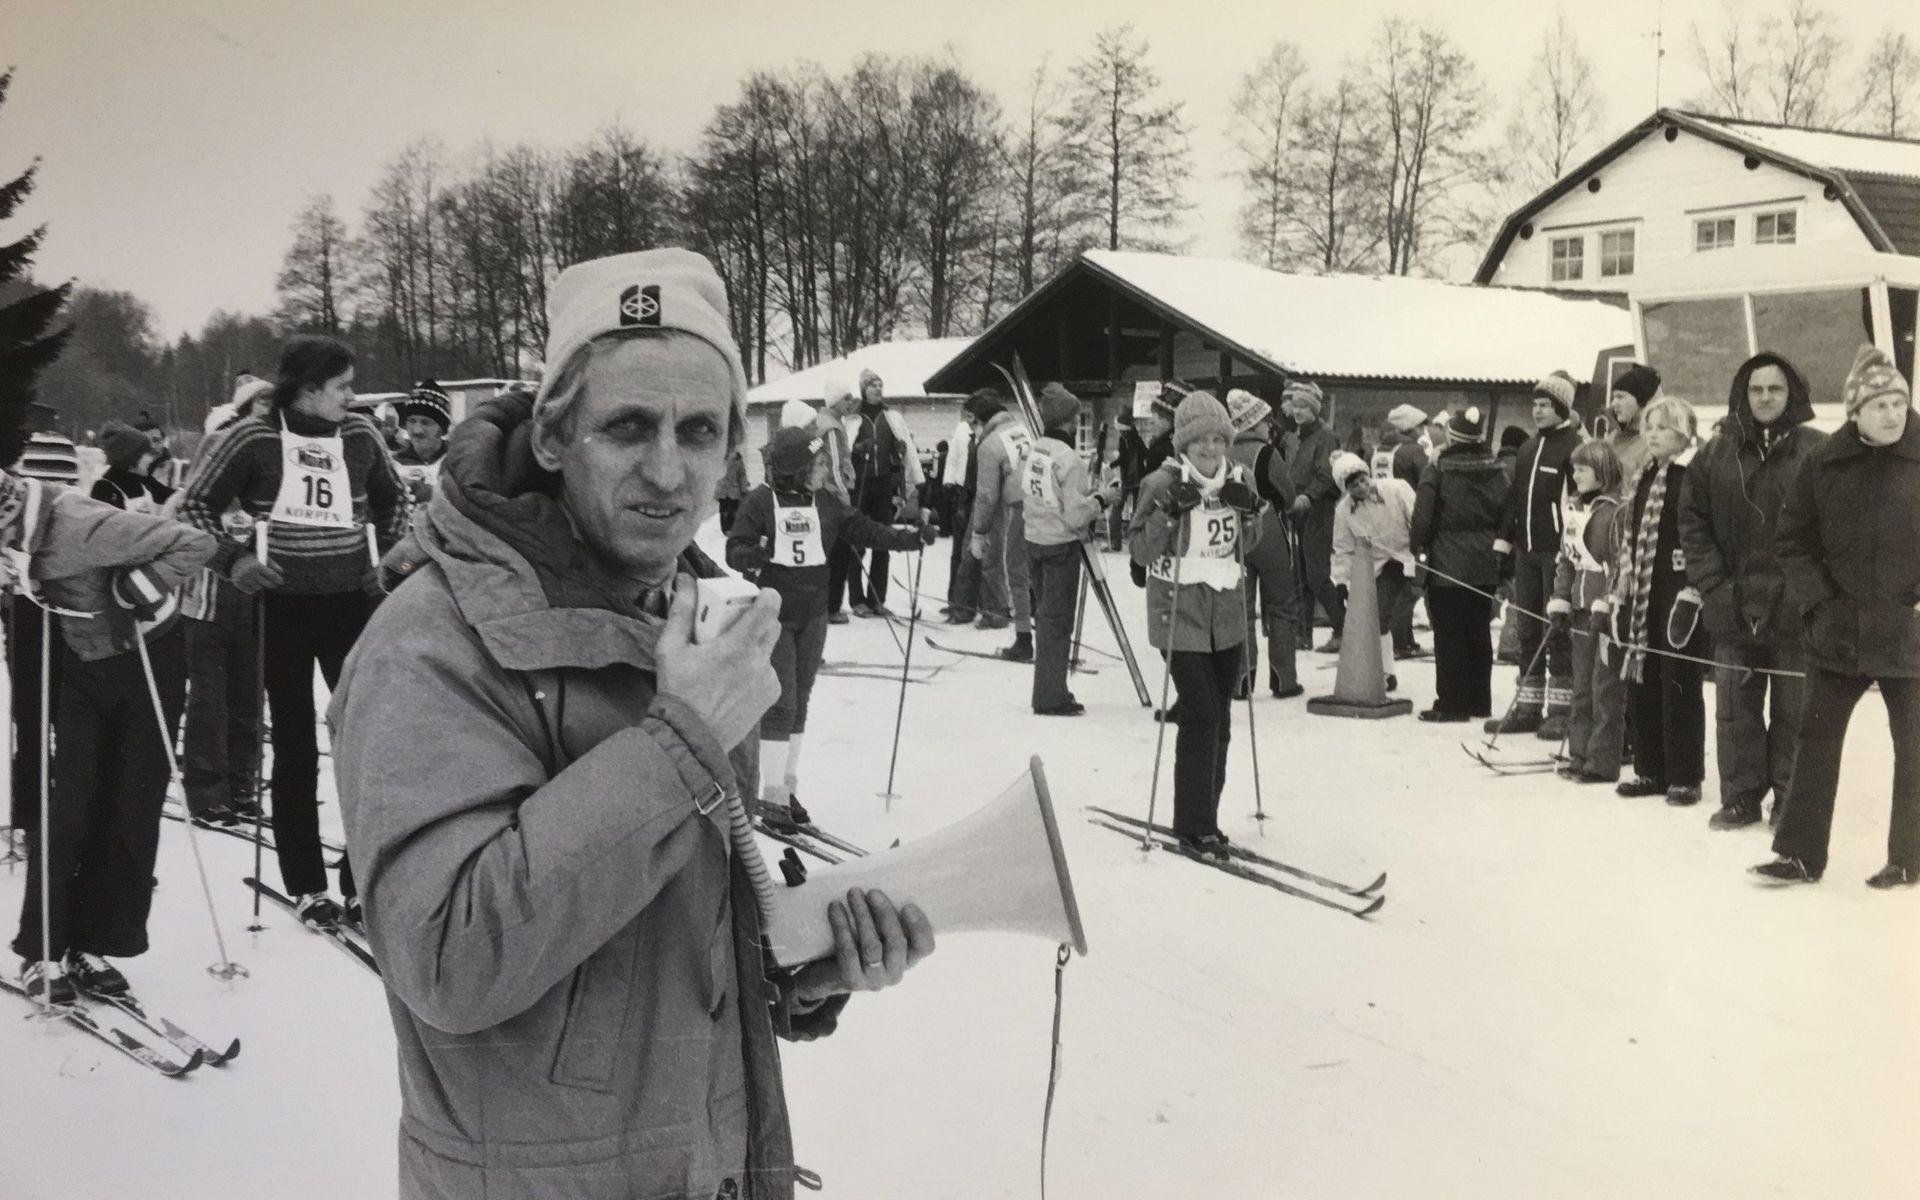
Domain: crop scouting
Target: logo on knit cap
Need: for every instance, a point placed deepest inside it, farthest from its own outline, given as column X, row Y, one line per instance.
column 640, row 306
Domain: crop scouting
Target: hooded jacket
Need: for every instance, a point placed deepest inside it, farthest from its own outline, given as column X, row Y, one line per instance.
column 1849, row 545
column 569, row 948
column 1730, row 510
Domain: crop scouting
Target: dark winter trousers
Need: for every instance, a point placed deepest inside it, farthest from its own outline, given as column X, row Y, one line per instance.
column 109, row 779
column 304, row 631
column 1808, row 822
column 727, row 509
column 1205, row 680
column 1597, row 718
column 963, row 571
column 1546, row 686
column 1401, row 625
column 24, row 628
column 1004, row 577
column 1316, row 544
column 796, row 660
column 223, row 705
column 1462, row 649
column 846, row 576
column 1055, row 575
column 1669, row 721
column 1755, row 754
column 1273, row 593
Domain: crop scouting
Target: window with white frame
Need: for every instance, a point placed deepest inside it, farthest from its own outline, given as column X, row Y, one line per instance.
column 1616, row 253
column 1776, row 228
column 1569, row 258
column 1713, row 233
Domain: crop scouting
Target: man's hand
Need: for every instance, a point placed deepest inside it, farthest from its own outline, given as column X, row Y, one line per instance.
column 728, row 681
column 977, row 546
column 252, row 576
column 1502, row 546
column 1302, row 505
column 873, row 945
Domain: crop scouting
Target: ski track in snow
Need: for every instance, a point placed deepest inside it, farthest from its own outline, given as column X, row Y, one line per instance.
column 1568, row 994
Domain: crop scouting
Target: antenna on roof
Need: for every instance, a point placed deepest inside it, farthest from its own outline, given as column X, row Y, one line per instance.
column 1659, row 46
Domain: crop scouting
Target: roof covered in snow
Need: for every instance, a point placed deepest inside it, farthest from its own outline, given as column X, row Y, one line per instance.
column 903, row 368
column 1877, row 178
column 1353, row 327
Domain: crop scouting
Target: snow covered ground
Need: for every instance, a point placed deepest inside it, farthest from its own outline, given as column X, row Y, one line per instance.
column 1568, row 994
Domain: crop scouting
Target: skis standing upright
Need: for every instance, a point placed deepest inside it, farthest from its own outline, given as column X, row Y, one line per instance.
column 1090, row 558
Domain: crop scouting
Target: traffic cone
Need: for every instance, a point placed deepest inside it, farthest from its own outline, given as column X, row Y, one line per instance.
column 1360, row 686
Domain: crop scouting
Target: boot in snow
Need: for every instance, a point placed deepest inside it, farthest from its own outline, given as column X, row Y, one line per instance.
column 1020, row 651
column 91, row 973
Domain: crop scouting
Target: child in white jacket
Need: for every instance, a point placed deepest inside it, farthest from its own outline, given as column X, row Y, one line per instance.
column 1380, row 513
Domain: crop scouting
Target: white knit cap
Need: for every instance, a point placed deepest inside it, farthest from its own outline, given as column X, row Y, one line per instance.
column 1246, row 410
column 1406, row 418
column 796, row 414
column 1346, row 465
column 647, row 289
column 835, row 389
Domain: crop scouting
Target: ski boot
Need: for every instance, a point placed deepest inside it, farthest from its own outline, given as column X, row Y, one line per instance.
column 1020, row 651
column 1784, row 870
column 1890, row 877
column 34, row 982
column 91, row 973
column 1734, row 816
column 317, row 911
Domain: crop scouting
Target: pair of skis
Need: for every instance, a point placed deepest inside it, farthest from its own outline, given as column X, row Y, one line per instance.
column 336, row 934
column 1090, row 559
column 78, row 1015
column 1507, row 767
column 992, row 656
column 1254, row 867
column 810, row 839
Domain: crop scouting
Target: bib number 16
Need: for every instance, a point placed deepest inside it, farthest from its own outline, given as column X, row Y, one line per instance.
column 319, row 491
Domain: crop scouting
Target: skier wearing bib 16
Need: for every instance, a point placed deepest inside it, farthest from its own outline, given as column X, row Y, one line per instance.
column 1060, row 505
column 1191, row 530
column 320, row 478
column 782, row 537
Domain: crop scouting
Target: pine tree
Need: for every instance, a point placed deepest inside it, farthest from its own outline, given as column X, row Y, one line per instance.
column 26, row 313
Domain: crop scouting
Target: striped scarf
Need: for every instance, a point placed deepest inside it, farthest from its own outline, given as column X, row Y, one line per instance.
column 1637, row 557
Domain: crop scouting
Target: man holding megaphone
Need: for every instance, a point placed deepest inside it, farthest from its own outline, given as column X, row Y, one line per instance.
column 540, row 769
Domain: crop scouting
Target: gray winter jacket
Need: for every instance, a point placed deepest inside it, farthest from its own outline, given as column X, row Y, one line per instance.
column 997, row 484
column 570, row 953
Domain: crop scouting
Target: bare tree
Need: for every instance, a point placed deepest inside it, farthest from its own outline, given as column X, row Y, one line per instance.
column 1728, row 59
column 1135, row 147
column 955, row 128
column 1427, row 99
column 1556, row 114
column 1335, row 219
column 1050, row 207
column 314, row 274
column 1802, row 47
column 1262, row 130
column 1890, row 89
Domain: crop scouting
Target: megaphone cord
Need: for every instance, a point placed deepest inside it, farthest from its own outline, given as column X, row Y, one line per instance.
column 1053, row 1066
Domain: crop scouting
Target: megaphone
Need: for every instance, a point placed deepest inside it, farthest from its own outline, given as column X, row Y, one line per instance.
column 1001, row 868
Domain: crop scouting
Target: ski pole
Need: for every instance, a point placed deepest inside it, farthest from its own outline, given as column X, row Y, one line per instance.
column 1166, row 677
column 900, row 708
column 1533, row 664
column 226, row 968
column 259, row 722
column 1246, row 680
column 46, row 817
column 1079, row 623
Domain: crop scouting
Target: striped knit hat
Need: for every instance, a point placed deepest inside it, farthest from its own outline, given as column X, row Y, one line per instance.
column 430, row 402
column 1873, row 376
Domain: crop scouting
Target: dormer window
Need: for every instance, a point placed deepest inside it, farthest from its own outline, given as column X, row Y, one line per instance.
column 1713, row 233
column 1776, row 228
column 1568, row 256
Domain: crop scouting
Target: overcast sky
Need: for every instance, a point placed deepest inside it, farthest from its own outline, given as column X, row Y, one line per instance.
column 180, row 136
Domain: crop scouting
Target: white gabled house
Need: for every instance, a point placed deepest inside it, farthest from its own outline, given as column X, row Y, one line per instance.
column 1680, row 185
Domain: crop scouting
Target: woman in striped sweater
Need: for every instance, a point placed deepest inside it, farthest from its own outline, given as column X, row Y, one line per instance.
column 319, row 481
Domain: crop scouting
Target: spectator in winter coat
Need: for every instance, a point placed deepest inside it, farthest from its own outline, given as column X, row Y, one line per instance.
column 425, row 417
column 1379, row 513
column 1656, row 608
column 539, row 769
column 1059, row 509
column 1401, row 454
column 831, row 424
column 110, row 575
column 1849, row 545
column 126, row 483
column 732, row 488
column 997, row 536
column 963, row 465
column 1729, row 514
column 1195, row 514
column 1310, row 453
column 781, row 539
column 1459, row 510
column 1632, row 392
column 1532, row 541
column 1583, row 585
column 886, row 484
column 1272, row 588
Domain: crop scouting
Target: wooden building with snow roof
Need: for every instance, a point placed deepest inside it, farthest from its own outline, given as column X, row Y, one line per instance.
column 1113, row 318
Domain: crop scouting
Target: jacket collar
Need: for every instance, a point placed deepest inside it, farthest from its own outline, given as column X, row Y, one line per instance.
column 517, row 570
column 1847, row 443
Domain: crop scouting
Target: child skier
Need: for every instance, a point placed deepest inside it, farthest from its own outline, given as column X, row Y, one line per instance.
column 1191, row 530
column 782, row 537
column 1583, row 585
column 1060, row 506
column 111, row 576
